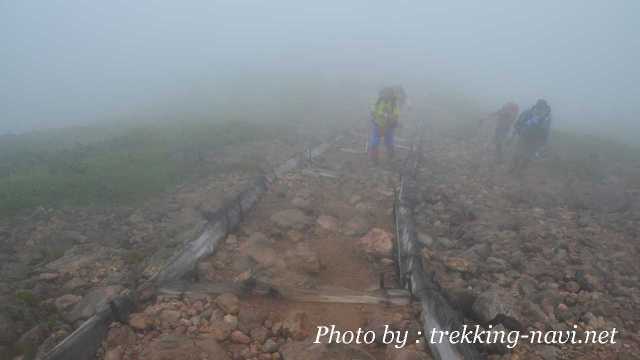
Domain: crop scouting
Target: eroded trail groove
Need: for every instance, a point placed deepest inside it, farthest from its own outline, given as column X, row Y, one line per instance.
column 317, row 250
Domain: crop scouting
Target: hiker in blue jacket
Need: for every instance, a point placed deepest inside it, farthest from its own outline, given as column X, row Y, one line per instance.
column 532, row 129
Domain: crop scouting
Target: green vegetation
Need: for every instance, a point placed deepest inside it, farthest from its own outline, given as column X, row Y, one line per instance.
column 93, row 166
column 26, row 297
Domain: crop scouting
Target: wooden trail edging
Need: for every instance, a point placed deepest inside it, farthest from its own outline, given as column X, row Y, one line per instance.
column 85, row 341
column 437, row 313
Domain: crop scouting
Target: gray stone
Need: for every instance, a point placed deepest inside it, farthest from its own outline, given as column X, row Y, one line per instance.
column 91, row 302
column 306, row 351
column 492, row 303
column 270, row 346
column 259, row 238
column 66, row 301
column 493, row 264
column 548, row 352
column 229, row 303
column 425, row 239
column 292, row 218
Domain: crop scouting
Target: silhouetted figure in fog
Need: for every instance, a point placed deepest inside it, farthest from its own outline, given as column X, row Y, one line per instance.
column 532, row 129
column 505, row 117
column 384, row 121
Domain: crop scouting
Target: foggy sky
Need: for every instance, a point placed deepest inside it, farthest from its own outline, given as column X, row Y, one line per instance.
column 77, row 62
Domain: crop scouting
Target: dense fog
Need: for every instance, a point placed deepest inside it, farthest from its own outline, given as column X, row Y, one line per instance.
column 72, row 62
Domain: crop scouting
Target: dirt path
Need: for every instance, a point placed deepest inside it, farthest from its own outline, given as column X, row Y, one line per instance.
column 317, row 248
column 323, row 231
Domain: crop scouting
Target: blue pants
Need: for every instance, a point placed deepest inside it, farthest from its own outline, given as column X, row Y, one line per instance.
column 374, row 141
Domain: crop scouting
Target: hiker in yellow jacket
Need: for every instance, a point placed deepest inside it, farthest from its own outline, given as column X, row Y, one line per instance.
column 384, row 121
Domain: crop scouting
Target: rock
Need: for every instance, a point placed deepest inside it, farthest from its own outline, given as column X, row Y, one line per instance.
column 34, row 337
column 231, row 240
column 264, row 256
column 296, row 325
column 169, row 317
column 377, row 242
column 250, row 318
column 120, row 336
column 292, row 218
column 64, row 302
column 328, row 223
column 357, row 226
column 459, row 264
column 168, row 347
column 270, row 346
column 492, row 303
column 533, row 312
column 232, row 320
column 302, row 258
column 477, row 251
column 405, row 354
column 139, row 321
column 295, row 235
column 572, row 287
column 493, row 264
column 113, row 354
column 547, row 352
column 229, row 303
column 75, row 283
column 242, row 263
column 563, row 313
column 239, row 337
column 78, row 257
column 594, row 322
column 527, row 286
column 305, row 351
column 425, row 239
column 212, row 349
column 445, row 243
column 91, row 302
column 301, row 203
column 587, row 282
column 259, row 238
column 220, row 329
column 259, row 334
column 204, row 269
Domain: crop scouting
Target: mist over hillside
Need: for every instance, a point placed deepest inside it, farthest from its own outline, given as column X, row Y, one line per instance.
column 69, row 63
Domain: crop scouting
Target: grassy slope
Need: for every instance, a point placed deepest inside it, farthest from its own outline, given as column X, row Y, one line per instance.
column 85, row 166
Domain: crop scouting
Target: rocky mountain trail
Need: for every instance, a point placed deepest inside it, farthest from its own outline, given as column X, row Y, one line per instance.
column 56, row 265
column 305, row 236
column 519, row 251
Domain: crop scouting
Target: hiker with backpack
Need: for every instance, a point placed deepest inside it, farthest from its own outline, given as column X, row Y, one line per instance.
column 384, row 121
column 532, row 130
